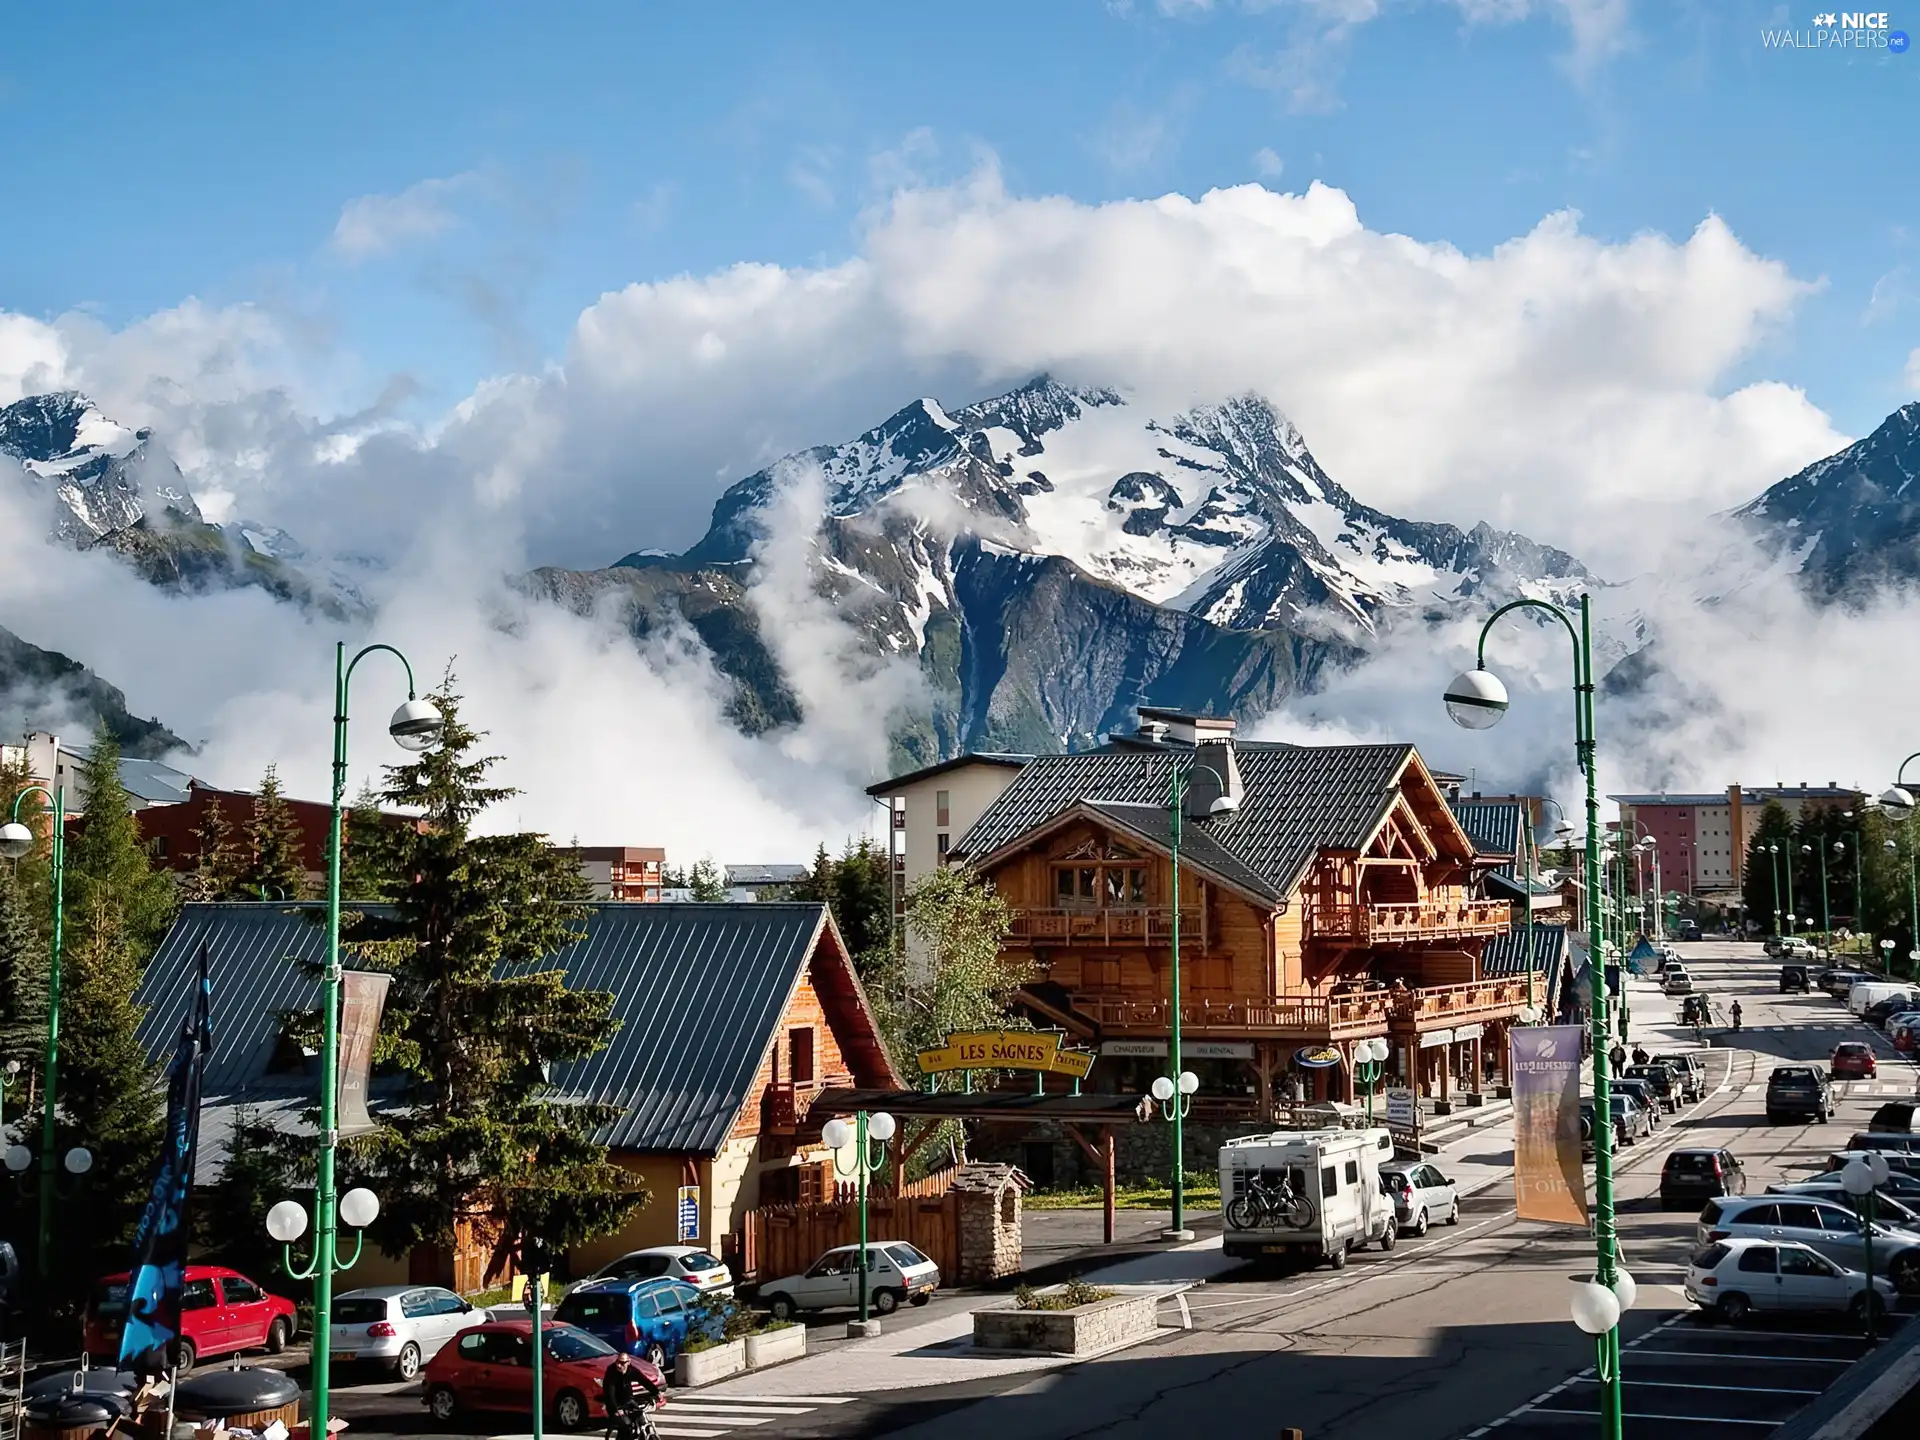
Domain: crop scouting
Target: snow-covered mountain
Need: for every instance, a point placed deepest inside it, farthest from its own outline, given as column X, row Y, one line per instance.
column 106, row 486
column 1848, row 524
column 1055, row 556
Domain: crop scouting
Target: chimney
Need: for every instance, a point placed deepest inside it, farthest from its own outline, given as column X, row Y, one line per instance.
column 1154, row 732
column 1203, row 789
column 1184, row 729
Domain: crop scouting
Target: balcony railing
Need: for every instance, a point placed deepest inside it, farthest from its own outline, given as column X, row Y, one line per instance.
column 1401, row 922
column 1114, row 925
column 1476, row 999
column 1308, row 1016
column 787, row 1102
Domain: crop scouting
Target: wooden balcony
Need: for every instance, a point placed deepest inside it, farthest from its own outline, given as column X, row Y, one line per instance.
column 1436, row 1007
column 784, row 1107
column 1304, row 1017
column 1402, row 923
column 1111, row 926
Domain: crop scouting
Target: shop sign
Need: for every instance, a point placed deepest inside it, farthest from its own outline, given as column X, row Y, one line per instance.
column 1469, row 1032
column 1006, row 1050
column 1436, row 1037
column 1317, row 1057
column 1216, row 1050
column 1134, row 1049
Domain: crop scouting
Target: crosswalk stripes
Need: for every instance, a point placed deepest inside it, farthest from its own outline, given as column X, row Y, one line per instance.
column 689, row 1415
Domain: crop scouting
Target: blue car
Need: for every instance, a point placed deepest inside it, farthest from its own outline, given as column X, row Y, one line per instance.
column 646, row 1318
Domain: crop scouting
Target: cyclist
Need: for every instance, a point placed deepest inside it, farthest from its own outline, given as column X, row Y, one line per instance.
column 628, row 1392
column 1734, row 1011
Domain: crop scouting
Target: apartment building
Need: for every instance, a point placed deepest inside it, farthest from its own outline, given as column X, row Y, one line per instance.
column 1702, row 838
column 624, row 872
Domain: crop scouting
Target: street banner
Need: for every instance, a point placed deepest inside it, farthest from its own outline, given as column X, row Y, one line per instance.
column 166, row 1228
column 1549, row 1182
column 363, row 997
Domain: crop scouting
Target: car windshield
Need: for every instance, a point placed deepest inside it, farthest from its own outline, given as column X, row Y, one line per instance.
column 1690, row 1160
column 575, row 1345
column 110, row 1301
column 366, row 1310
column 1796, row 1075
column 594, row 1309
column 699, row 1260
column 905, row 1254
column 1708, row 1257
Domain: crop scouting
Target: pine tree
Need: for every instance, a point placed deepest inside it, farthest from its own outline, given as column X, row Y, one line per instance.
column 106, row 855
column 276, row 868
column 708, row 885
column 23, row 986
column 366, row 845
column 218, row 859
column 264, row 1165
column 474, row 1135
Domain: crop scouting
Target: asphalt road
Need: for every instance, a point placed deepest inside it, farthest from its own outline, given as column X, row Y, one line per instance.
column 1464, row 1333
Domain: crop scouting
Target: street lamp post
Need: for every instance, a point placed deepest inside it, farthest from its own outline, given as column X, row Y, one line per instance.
column 1861, row 1179
column 1826, row 910
column 1773, row 850
column 16, row 840
column 415, row 726
column 1369, row 1064
column 7, row 1077
column 1477, row 700
column 864, row 1133
column 1225, row 803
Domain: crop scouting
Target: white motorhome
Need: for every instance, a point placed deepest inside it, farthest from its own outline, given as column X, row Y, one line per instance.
column 1309, row 1195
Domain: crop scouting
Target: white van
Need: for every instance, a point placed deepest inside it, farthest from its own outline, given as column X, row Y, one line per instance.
column 1306, row 1194
column 1871, row 992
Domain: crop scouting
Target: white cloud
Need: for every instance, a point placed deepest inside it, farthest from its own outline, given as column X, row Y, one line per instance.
column 373, row 225
column 1267, row 164
column 810, row 172
column 1600, row 29
column 1912, row 376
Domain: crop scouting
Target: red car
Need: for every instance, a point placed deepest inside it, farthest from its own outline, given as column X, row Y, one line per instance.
column 489, row 1367
column 222, row 1312
column 1854, row 1059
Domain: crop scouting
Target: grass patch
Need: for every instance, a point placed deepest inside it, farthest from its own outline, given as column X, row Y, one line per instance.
column 1200, row 1195
column 499, row 1295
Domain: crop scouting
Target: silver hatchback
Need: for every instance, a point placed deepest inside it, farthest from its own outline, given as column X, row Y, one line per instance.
column 398, row 1327
column 1823, row 1225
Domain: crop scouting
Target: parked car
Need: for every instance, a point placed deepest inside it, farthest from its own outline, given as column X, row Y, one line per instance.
column 1878, row 1012
column 688, row 1264
column 1677, row 981
column 1421, row 1194
column 222, row 1312
column 1586, row 1130
column 1900, row 1184
column 647, row 1318
column 1795, row 980
column 1694, row 1175
column 1840, row 983
column 1904, row 1032
column 1644, row 1094
column 896, row 1271
column 1893, row 1118
column 1888, row 1209
column 398, row 1327
column 1740, row 1276
column 1691, row 1069
column 1689, row 930
column 1901, row 1162
column 1853, row 1059
column 488, row 1367
column 1798, row 1090
column 1832, row 1229
column 1662, row 1080
column 1632, row 1117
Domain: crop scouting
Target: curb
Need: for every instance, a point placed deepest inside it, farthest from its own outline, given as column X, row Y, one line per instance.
column 1863, row 1396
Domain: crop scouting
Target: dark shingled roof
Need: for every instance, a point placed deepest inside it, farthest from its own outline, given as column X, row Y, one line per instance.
column 700, row 990
column 1496, row 827
column 1537, row 947
column 1300, row 800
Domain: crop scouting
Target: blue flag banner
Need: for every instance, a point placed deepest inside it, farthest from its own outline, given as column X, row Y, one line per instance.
column 160, row 1244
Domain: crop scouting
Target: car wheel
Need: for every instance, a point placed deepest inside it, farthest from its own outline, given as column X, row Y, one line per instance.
column 570, row 1410
column 442, row 1404
column 886, row 1301
column 278, row 1333
column 1420, row 1222
column 1772, row 1118
column 407, row 1365
column 1338, row 1259
column 1390, row 1237
column 656, row 1356
column 922, row 1298
column 1735, row 1308
column 1858, row 1309
column 781, row 1307
column 1453, row 1215
column 184, row 1354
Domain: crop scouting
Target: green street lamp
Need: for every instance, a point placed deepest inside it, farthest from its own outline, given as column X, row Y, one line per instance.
column 1860, row 1180
column 1477, row 700
column 7, row 1076
column 864, row 1134
column 1826, row 910
column 415, row 726
column 1773, row 849
column 1225, row 803
column 16, row 840
column 1369, row 1064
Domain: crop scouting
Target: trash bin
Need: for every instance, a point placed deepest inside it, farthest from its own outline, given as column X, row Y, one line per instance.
column 246, row 1397
column 71, row 1415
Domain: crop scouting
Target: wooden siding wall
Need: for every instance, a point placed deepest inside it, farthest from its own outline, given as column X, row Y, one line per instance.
column 787, row 1239
column 777, row 1064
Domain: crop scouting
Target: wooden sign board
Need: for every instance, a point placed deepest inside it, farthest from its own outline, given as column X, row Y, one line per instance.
column 1006, row 1050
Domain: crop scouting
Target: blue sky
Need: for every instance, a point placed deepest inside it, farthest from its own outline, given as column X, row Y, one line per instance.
column 210, row 150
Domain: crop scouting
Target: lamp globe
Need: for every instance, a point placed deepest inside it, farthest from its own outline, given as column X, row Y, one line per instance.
column 417, row 725
column 880, row 1126
column 1476, row 699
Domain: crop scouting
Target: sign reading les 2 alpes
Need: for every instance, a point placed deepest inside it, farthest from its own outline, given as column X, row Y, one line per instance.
column 1005, row 1050
column 1549, row 1181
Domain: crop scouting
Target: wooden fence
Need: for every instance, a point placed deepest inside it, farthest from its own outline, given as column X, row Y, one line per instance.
column 787, row 1239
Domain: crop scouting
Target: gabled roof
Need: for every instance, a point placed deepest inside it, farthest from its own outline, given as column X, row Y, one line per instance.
column 1002, row 759
column 1496, row 827
column 1545, row 946
column 1300, row 800
column 700, row 992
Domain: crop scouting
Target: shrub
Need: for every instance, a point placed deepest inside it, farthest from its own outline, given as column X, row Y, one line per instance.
column 1070, row 1296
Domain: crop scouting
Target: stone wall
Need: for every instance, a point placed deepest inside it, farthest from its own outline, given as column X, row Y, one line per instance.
column 987, row 1200
column 1104, row 1325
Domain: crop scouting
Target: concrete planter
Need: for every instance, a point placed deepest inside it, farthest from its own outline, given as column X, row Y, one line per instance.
column 774, row 1346
column 703, row 1367
column 1084, row 1330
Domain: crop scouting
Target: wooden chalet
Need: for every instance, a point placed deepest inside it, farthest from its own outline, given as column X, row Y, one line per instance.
column 1337, row 898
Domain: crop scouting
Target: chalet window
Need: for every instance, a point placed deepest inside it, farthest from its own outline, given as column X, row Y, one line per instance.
column 1086, row 886
column 940, row 843
column 1125, row 885
column 940, row 807
column 1073, row 884
column 800, row 1054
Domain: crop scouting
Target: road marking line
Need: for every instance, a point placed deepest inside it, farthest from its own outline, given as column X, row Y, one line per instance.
column 1768, row 1359
column 729, row 1396
column 721, row 1410
column 1687, row 1419
column 1736, row 1389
